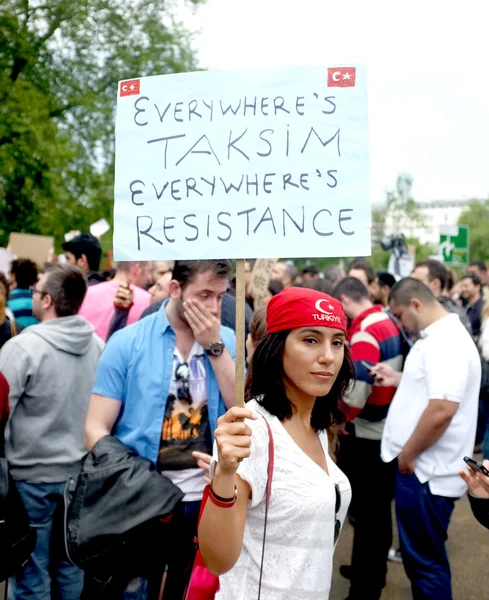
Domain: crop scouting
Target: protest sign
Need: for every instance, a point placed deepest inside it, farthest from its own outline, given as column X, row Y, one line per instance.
column 260, row 278
column 236, row 163
column 71, row 235
column 6, row 258
column 39, row 248
column 99, row 228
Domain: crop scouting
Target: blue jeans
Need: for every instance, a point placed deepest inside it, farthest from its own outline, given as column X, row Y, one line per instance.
column 423, row 521
column 47, row 575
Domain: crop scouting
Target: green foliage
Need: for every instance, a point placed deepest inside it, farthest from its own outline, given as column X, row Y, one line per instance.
column 60, row 61
column 476, row 216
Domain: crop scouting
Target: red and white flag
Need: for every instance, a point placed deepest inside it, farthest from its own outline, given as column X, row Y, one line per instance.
column 130, row 88
column 341, row 76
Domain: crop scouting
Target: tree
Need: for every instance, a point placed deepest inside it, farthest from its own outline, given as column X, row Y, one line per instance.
column 60, row 62
column 476, row 216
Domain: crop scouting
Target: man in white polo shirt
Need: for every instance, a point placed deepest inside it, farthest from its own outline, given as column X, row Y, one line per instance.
column 429, row 429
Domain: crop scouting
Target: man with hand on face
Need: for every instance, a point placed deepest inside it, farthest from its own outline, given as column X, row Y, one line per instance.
column 430, row 427
column 161, row 385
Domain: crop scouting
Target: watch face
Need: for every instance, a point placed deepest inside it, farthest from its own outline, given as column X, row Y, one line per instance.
column 216, row 349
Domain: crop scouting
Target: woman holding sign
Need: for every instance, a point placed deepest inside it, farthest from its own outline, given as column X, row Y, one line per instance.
column 280, row 545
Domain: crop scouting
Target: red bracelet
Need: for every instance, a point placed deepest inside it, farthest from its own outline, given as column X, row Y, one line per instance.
column 222, row 502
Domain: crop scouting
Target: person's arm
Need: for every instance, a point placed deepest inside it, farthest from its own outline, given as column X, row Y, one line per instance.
column 385, row 375
column 363, row 348
column 207, row 331
column 446, row 387
column 101, row 417
column 478, row 485
column 431, row 426
column 225, row 372
column 221, row 530
column 108, row 391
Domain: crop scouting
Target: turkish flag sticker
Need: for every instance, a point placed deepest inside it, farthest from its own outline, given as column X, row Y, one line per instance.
column 130, row 88
column 342, row 77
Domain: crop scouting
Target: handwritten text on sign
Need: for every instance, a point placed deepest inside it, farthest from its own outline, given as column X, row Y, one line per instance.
column 243, row 163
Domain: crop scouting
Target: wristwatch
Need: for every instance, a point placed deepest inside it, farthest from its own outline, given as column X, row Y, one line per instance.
column 215, row 349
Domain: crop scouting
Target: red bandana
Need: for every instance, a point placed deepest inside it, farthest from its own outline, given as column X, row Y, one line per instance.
column 302, row 307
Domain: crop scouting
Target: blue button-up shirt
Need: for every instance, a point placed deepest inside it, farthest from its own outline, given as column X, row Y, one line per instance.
column 136, row 369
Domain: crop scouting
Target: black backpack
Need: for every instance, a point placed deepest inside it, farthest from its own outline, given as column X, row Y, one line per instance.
column 17, row 537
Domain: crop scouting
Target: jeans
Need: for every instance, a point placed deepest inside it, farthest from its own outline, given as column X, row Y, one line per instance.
column 372, row 483
column 47, row 575
column 423, row 521
column 179, row 567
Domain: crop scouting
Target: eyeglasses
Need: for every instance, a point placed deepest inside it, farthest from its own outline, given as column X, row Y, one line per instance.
column 181, row 376
column 337, row 523
column 34, row 290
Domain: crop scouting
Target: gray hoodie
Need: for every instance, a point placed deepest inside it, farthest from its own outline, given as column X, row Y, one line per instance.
column 50, row 369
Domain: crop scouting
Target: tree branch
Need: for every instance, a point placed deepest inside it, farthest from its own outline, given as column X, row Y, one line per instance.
column 8, row 139
column 57, row 112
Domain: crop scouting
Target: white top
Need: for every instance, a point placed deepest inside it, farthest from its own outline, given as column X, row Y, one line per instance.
column 443, row 364
column 301, row 520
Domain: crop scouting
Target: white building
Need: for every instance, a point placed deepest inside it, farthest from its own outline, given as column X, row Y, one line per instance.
column 435, row 214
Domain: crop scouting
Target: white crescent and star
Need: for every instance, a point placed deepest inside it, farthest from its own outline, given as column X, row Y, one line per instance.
column 345, row 76
column 321, row 309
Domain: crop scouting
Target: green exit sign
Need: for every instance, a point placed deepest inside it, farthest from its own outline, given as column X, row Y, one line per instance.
column 454, row 245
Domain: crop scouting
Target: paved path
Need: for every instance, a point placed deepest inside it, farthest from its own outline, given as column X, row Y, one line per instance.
column 468, row 549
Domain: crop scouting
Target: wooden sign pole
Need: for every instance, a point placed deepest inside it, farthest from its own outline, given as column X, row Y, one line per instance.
column 240, row 330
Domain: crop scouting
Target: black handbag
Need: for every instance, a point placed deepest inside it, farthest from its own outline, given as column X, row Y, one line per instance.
column 17, row 537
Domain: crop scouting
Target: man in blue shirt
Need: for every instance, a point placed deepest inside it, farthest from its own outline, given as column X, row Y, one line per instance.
column 23, row 275
column 160, row 387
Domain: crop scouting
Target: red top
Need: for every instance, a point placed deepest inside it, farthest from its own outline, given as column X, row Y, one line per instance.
column 4, row 410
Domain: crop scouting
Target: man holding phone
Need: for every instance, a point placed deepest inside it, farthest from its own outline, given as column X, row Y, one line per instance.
column 373, row 337
column 429, row 429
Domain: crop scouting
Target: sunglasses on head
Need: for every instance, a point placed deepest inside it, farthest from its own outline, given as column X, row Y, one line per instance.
column 337, row 524
column 183, row 389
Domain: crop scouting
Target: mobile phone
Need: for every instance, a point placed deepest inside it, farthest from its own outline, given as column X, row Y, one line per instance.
column 476, row 466
column 369, row 368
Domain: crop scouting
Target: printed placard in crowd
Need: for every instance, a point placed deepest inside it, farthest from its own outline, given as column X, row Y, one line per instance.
column 260, row 278
column 243, row 163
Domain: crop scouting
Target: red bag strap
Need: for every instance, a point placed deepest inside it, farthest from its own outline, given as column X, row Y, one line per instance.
column 271, row 464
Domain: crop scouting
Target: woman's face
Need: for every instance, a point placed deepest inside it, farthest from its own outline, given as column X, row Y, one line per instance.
column 312, row 359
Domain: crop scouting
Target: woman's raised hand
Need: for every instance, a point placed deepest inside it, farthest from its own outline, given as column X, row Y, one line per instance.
column 233, row 438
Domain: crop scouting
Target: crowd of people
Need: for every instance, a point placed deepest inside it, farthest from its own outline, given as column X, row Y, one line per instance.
column 356, row 399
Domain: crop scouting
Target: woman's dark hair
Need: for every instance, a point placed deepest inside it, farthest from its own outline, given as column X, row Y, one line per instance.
column 268, row 389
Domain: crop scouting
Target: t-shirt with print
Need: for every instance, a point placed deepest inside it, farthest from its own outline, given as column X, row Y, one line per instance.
column 186, row 427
